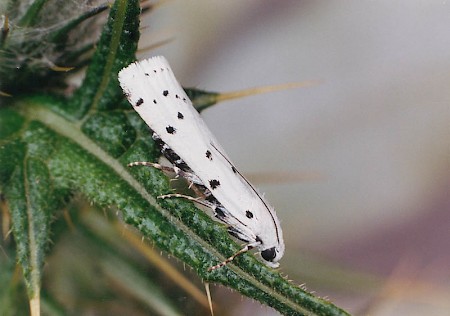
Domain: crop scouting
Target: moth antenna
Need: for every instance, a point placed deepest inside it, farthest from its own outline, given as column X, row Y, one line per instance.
column 187, row 197
column 177, row 195
column 196, row 190
column 220, row 265
column 143, row 163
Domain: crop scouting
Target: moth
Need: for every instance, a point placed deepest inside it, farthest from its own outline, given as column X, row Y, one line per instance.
column 152, row 89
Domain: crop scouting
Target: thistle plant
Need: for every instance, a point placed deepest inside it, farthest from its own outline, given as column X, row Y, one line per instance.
column 40, row 40
column 61, row 145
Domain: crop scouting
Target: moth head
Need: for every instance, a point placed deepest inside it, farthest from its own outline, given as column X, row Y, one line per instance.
column 272, row 255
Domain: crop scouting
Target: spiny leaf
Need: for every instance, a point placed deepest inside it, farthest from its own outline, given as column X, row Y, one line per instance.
column 30, row 199
column 29, row 19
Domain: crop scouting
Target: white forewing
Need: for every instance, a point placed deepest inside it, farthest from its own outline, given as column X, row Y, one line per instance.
column 158, row 98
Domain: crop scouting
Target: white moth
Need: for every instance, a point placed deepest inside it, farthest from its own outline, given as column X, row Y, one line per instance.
column 186, row 141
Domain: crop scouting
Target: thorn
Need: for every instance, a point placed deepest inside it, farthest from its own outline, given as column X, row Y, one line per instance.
column 4, row 94
column 61, row 69
column 259, row 90
column 208, row 295
column 4, row 29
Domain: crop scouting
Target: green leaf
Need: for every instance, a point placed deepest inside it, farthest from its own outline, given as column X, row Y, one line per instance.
column 115, row 50
column 201, row 99
column 31, row 217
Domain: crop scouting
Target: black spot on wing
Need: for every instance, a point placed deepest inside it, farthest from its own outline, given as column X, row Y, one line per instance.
column 177, row 96
column 180, row 115
column 234, row 169
column 248, row 214
column 165, row 93
column 214, row 183
column 170, row 129
column 208, row 155
column 139, row 102
column 154, row 101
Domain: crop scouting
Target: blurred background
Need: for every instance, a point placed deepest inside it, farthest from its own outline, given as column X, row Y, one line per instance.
column 357, row 167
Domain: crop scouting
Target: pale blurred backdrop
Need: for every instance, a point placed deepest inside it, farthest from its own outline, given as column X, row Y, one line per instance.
column 368, row 221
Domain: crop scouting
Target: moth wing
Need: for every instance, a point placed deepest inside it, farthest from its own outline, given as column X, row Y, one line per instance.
column 159, row 99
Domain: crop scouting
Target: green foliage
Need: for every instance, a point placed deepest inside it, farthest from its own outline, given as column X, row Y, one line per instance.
column 53, row 147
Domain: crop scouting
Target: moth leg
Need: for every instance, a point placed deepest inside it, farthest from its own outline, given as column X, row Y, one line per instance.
column 189, row 176
column 231, row 258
